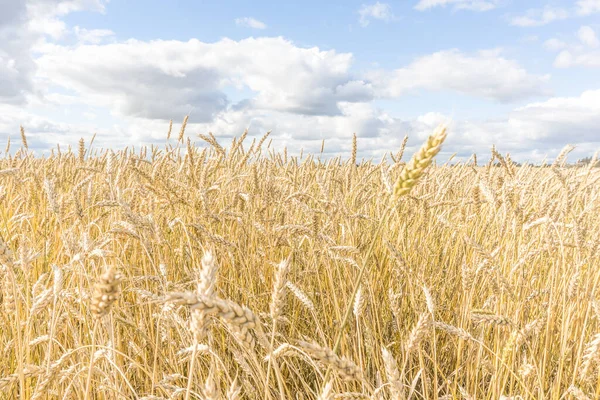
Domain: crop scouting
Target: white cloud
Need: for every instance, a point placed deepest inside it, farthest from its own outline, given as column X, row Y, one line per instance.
column 588, row 7
column 564, row 59
column 49, row 26
column 43, row 133
column 44, row 15
column 554, row 44
column 567, row 58
column 250, row 22
column 588, row 37
column 583, row 54
column 16, row 64
column 380, row 11
column 548, row 14
column 530, row 39
column 528, row 133
column 539, row 17
column 486, row 74
column 64, row 7
column 92, row 36
column 200, row 77
column 474, row 5
column 559, row 118
column 194, row 76
column 23, row 24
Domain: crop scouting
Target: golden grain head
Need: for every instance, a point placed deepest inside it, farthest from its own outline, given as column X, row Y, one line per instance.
column 106, row 292
column 419, row 162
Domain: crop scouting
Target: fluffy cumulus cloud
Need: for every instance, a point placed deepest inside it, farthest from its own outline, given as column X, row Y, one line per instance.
column 249, row 22
column 548, row 14
column 529, row 133
column 380, row 11
column 23, row 24
column 588, row 36
column 16, row 64
column 43, row 132
column 194, row 75
column 474, row 5
column 570, row 58
column 305, row 131
column 484, row 74
column 554, row 44
column 92, row 36
column 24, row 27
column 582, row 52
column 588, row 7
column 548, row 121
column 45, row 15
column 197, row 76
column 538, row 17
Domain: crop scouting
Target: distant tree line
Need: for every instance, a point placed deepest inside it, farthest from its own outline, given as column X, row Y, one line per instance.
column 587, row 161
column 580, row 163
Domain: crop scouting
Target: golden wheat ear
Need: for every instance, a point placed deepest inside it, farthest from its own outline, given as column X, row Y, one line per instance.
column 106, row 292
column 419, row 162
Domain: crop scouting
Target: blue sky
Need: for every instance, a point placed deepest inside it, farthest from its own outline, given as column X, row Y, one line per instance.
column 521, row 75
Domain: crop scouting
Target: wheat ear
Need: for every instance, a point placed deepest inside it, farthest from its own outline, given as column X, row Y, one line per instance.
column 347, row 369
column 241, row 319
column 419, row 162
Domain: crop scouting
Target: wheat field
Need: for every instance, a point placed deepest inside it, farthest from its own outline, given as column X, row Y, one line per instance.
column 205, row 271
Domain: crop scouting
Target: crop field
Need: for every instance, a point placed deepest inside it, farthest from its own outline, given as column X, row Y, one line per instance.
column 212, row 271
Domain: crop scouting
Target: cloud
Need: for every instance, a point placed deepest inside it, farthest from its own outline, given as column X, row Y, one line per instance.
column 15, row 77
column 16, row 65
column 473, row 5
column 567, row 58
column 539, row 17
column 556, row 119
column 43, row 133
column 380, row 11
column 485, row 74
column 249, row 22
column 543, row 16
column 529, row 39
column 92, row 36
column 584, row 53
column 554, row 44
column 588, row 7
column 195, row 76
column 23, row 24
column 529, row 133
column 44, row 15
column 209, row 78
column 588, row 37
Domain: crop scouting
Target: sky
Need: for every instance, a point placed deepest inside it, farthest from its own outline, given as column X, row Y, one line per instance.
column 521, row 75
